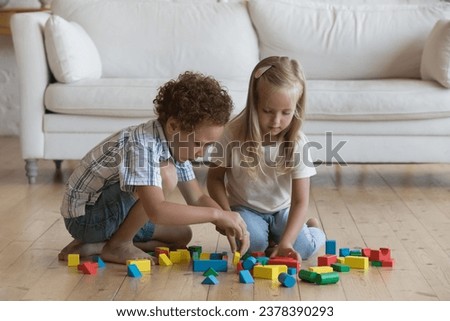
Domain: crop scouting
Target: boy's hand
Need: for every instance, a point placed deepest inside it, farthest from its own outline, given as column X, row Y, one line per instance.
column 233, row 226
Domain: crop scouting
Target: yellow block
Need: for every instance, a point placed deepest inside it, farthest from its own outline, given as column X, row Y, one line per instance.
column 185, row 256
column 175, row 257
column 341, row 260
column 321, row 269
column 270, row 272
column 236, row 258
column 164, row 260
column 143, row 265
column 357, row 262
column 205, row 256
column 73, row 259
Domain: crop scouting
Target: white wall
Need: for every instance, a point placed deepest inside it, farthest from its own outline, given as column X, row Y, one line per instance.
column 9, row 82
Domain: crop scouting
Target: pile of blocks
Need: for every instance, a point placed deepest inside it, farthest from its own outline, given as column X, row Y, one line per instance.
column 73, row 260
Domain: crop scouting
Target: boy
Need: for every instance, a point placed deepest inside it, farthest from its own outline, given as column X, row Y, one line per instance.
column 114, row 204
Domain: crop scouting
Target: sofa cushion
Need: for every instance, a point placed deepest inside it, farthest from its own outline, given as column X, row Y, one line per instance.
column 161, row 39
column 120, row 97
column 327, row 99
column 436, row 54
column 71, row 54
column 345, row 41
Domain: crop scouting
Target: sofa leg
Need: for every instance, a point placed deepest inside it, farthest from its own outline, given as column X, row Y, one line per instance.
column 31, row 170
column 57, row 163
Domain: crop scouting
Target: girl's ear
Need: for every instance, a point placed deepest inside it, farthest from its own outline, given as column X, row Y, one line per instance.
column 172, row 126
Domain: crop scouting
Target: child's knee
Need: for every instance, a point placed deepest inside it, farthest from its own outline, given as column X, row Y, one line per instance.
column 184, row 237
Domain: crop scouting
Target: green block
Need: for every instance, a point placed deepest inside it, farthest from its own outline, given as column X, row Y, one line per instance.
column 327, row 278
column 355, row 253
column 308, row 276
column 210, row 271
column 376, row 263
column 339, row 267
column 263, row 260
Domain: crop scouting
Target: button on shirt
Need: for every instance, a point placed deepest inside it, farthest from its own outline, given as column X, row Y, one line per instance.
column 131, row 157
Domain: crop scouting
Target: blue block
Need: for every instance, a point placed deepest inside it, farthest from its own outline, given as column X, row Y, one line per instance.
column 292, row 271
column 330, row 247
column 215, row 256
column 249, row 263
column 203, row 265
column 245, row 277
column 343, row 252
column 99, row 261
column 211, row 279
column 286, row 280
column 133, row 271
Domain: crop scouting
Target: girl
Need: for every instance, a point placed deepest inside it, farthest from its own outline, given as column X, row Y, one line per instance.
column 263, row 173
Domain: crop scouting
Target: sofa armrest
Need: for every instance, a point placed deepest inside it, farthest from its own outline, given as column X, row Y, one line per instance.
column 34, row 74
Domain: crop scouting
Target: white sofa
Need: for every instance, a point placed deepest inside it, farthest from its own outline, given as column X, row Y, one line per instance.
column 363, row 65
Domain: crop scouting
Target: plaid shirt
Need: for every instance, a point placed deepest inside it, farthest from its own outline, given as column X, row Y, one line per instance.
column 131, row 157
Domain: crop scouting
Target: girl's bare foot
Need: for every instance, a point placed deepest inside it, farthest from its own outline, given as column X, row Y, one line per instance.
column 121, row 252
column 78, row 247
column 313, row 222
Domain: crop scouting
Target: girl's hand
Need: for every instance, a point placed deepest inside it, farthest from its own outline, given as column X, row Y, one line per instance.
column 286, row 250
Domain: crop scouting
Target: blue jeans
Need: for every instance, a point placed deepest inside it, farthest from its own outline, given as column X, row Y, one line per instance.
column 270, row 226
column 103, row 219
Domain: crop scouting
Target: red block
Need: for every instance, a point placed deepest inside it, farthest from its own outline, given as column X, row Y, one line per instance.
column 366, row 252
column 383, row 254
column 326, row 260
column 88, row 268
column 258, row 254
column 288, row 261
column 388, row 263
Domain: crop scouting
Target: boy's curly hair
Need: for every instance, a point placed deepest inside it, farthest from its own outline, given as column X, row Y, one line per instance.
column 192, row 99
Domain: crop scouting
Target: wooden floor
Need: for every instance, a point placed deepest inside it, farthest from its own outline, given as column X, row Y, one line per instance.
column 404, row 207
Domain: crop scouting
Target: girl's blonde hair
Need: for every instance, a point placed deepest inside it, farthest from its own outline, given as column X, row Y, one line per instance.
column 274, row 73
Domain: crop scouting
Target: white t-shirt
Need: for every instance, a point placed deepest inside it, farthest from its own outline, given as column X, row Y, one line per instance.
column 267, row 191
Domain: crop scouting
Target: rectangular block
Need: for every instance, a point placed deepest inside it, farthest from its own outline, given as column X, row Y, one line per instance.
column 203, row 265
column 270, row 272
column 330, row 247
column 175, row 256
column 143, row 265
column 357, row 262
column 321, row 269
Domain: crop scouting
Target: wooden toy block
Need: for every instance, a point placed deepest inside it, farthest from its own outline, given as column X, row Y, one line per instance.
column 175, row 257
column 327, row 278
column 249, row 263
column 321, row 269
column 383, row 254
column 195, row 255
column 366, row 252
column 246, row 277
column 376, row 263
column 239, row 267
column 343, row 252
column 341, row 260
column 185, row 255
column 133, row 271
column 292, row 271
column 88, row 268
column 258, row 254
column 216, row 256
column 144, row 265
column 270, row 272
column 99, row 261
column 164, row 260
column 203, row 265
column 161, row 250
column 355, row 252
column 264, row 260
column 338, row 267
column 357, row 262
column 388, row 263
column 326, row 260
column 225, row 256
column 236, row 258
column 73, row 259
column 308, row 276
column 286, row 280
column 210, row 271
column 205, row 256
column 196, row 249
column 288, row 261
column 330, row 247
column 211, row 280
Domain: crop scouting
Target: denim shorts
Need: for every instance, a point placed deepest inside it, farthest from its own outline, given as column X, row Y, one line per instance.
column 103, row 219
column 265, row 227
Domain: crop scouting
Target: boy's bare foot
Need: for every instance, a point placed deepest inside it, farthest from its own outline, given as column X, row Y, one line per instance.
column 121, row 252
column 78, row 247
column 313, row 222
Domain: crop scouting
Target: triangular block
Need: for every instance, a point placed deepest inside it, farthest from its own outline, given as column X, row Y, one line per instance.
column 245, row 277
column 133, row 271
column 211, row 280
column 210, row 271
